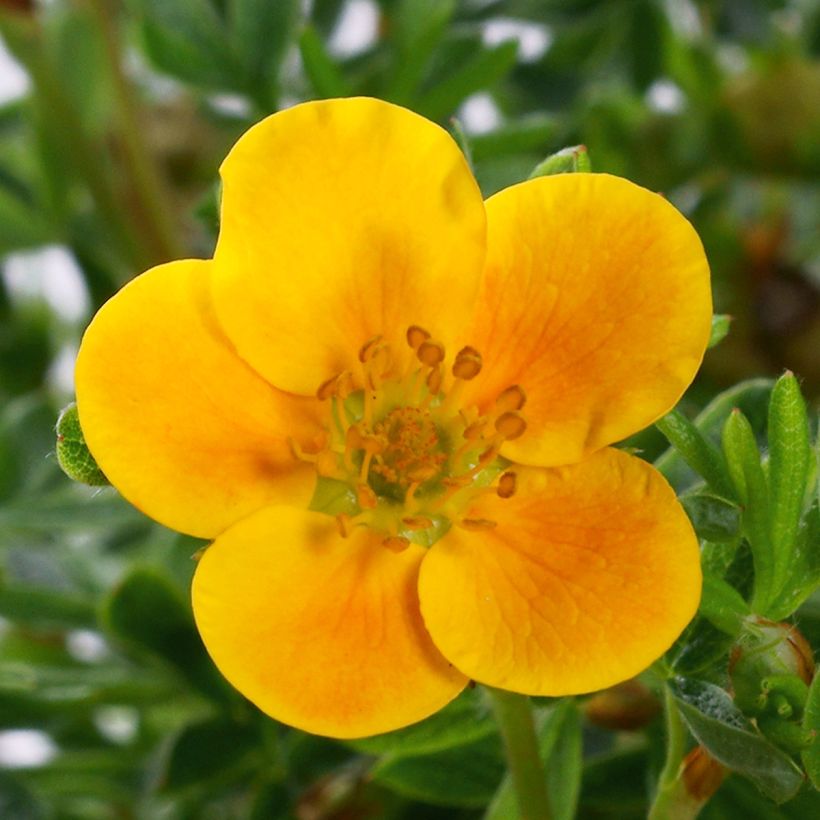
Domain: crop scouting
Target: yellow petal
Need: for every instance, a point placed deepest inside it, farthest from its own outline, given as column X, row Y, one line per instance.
column 596, row 300
column 590, row 574
column 343, row 220
column 319, row 631
column 184, row 429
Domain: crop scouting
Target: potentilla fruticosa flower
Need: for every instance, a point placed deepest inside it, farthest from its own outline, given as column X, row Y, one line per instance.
column 391, row 404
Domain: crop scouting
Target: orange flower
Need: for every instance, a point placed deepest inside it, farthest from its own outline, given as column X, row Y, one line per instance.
column 453, row 372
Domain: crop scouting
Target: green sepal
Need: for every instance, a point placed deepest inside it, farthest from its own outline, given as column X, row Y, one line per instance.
column 571, row 160
column 721, row 324
column 73, row 454
column 811, row 725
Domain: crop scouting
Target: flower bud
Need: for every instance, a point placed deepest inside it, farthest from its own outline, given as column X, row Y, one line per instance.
column 73, row 454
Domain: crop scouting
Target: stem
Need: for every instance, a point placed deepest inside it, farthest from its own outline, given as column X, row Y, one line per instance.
column 515, row 721
column 668, row 782
column 145, row 180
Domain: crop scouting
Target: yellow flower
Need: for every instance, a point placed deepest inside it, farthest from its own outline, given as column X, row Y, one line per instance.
column 454, row 371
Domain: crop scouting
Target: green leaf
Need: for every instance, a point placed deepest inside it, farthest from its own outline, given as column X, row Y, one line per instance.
column 811, row 723
column 751, row 396
column 731, row 739
column 721, row 323
column 713, row 518
column 325, row 76
column 722, row 605
column 571, row 160
column 479, row 72
column 145, row 610
column 73, row 454
column 790, row 462
column 463, row 776
column 559, row 741
column 187, row 39
column 260, row 33
column 209, row 751
column 743, row 461
column 699, row 453
column 39, row 606
column 530, row 133
column 803, row 576
column 463, row 721
column 420, row 26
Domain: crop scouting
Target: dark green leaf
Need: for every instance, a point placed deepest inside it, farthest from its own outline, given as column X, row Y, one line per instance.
column 463, row 721
column 730, row 738
column 73, row 454
column 462, row 776
column 39, row 606
column 208, row 751
column 325, row 76
column 481, row 71
column 713, row 518
column 145, row 610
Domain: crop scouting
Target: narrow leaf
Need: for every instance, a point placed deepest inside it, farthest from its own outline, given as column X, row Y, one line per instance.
column 722, row 605
column 701, row 455
column 713, row 518
column 790, row 458
column 811, row 723
column 721, row 323
column 324, row 74
column 743, row 461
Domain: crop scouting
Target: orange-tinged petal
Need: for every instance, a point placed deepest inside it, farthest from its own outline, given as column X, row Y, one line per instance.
column 590, row 574
column 319, row 631
column 184, row 429
column 343, row 220
column 596, row 300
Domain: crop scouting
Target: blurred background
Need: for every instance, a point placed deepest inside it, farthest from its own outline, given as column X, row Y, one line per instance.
column 114, row 117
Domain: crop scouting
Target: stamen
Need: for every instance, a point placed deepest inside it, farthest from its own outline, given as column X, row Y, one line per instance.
column 417, row 522
column 430, row 353
column 416, row 335
column 433, row 382
column 510, row 425
column 396, row 543
column 467, row 364
column 511, row 399
column 343, row 522
column 328, row 388
column 506, row 485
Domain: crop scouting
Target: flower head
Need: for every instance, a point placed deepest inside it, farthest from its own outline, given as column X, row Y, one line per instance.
column 391, row 405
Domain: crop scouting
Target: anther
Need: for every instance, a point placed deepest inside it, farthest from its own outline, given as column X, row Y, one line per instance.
column 506, row 485
column 366, row 497
column 416, row 335
column 343, row 524
column 396, row 543
column 510, row 426
column 477, row 524
column 513, row 398
column 467, row 364
column 327, row 389
column 417, row 522
column 367, row 350
column 430, row 353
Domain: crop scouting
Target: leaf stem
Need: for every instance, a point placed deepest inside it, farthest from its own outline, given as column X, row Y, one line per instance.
column 145, row 179
column 668, row 782
column 515, row 721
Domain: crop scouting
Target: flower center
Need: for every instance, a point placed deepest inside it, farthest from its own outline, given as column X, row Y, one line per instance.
column 401, row 454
